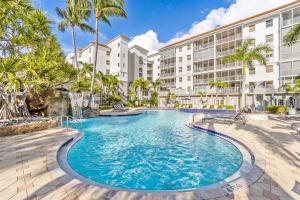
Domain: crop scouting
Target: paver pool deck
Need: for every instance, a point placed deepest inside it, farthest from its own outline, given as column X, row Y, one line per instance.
column 29, row 167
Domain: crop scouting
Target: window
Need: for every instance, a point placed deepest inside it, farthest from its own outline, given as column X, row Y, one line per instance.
column 107, row 71
column 189, row 57
column 269, row 84
column 108, row 62
column 118, row 44
column 189, row 78
column 296, row 15
column 269, row 54
column 180, row 49
column 269, row 38
column 90, row 60
column 90, row 50
column 180, row 69
column 252, row 28
column 118, row 55
column 287, row 18
column 108, row 53
column 80, row 54
column 269, row 23
column 189, row 67
column 269, row 69
column 188, row 47
column 118, row 64
column 180, row 79
column 180, row 59
column 252, row 71
column 189, row 88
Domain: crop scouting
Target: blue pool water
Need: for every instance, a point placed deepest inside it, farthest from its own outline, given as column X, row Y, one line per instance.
column 152, row 151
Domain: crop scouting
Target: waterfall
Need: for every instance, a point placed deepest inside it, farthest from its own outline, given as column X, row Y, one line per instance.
column 76, row 104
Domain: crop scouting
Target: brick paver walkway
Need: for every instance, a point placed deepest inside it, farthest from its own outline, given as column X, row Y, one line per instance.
column 29, row 169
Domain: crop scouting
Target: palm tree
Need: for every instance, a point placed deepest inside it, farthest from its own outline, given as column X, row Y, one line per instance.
column 156, row 85
column 247, row 54
column 218, row 85
column 102, row 10
column 76, row 11
column 292, row 36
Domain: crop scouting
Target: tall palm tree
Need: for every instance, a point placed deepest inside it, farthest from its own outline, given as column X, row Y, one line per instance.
column 102, row 10
column 76, row 11
column 292, row 36
column 218, row 85
column 156, row 85
column 247, row 54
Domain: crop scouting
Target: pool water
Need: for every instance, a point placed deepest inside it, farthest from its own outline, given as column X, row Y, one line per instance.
column 152, row 151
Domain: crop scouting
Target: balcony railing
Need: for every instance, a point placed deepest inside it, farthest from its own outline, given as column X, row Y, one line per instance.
column 167, row 74
column 202, row 81
column 230, row 38
column 203, row 69
column 203, row 46
column 230, row 78
column 225, row 53
column 172, row 84
column 167, row 66
column 229, row 65
column 230, row 90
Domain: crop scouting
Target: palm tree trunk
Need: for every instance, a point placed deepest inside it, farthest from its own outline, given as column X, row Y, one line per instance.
column 75, row 51
column 243, row 99
column 95, row 65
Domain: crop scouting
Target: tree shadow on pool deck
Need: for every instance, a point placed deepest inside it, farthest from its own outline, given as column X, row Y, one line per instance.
column 30, row 162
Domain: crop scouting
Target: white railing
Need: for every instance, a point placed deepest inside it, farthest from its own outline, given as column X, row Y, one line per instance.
column 67, row 119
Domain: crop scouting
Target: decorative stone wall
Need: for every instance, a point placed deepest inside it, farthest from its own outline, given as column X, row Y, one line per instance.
column 48, row 103
column 27, row 128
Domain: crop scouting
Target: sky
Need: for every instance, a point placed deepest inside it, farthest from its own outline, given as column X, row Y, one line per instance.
column 155, row 23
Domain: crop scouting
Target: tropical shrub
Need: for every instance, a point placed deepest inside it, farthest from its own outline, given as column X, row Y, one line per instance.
column 229, row 107
column 220, row 106
column 105, row 107
column 205, row 106
column 277, row 109
column 211, row 107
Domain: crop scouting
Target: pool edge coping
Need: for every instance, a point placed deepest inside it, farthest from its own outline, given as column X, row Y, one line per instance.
column 220, row 189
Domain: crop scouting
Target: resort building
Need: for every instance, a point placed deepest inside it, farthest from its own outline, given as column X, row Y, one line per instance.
column 191, row 63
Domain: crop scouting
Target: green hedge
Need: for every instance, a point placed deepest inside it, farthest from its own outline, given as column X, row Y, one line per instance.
column 105, row 107
column 277, row 109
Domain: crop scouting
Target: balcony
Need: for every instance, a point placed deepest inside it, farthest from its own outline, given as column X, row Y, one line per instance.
column 203, row 46
column 171, row 84
column 171, row 65
column 228, row 65
column 230, row 78
column 262, row 90
column 167, row 75
column 225, row 53
column 230, row 90
column 202, row 81
column 203, row 69
column 230, row 38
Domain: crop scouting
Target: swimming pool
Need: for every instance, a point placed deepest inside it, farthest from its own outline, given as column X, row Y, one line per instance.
column 152, row 151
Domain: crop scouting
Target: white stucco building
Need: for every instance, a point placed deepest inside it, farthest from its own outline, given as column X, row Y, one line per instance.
column 191, row 63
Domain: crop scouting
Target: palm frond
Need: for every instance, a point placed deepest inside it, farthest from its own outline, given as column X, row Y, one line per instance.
column 292, row 36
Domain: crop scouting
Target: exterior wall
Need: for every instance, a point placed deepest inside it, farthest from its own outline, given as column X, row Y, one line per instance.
column 119, row 61
column 138, row 63
column 155, row 62
column 260, row 35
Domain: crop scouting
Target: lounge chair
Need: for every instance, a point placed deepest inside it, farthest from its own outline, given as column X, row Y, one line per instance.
column 237, row 118
column 120, row 108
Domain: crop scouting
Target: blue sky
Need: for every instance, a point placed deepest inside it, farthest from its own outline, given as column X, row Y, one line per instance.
column 152, row 23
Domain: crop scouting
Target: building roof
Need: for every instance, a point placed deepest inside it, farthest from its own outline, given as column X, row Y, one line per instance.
column 139, row 48
column 117, row 37
column 232, row 24
column 91, row 43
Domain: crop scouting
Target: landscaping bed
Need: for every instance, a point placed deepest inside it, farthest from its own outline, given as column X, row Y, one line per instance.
column 25, row 125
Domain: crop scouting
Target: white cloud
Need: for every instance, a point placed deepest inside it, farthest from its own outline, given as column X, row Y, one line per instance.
column 238, row 10
column 148, row 40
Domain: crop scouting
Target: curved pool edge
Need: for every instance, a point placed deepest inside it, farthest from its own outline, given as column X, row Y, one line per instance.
column 240, row 180
column 247, row 174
